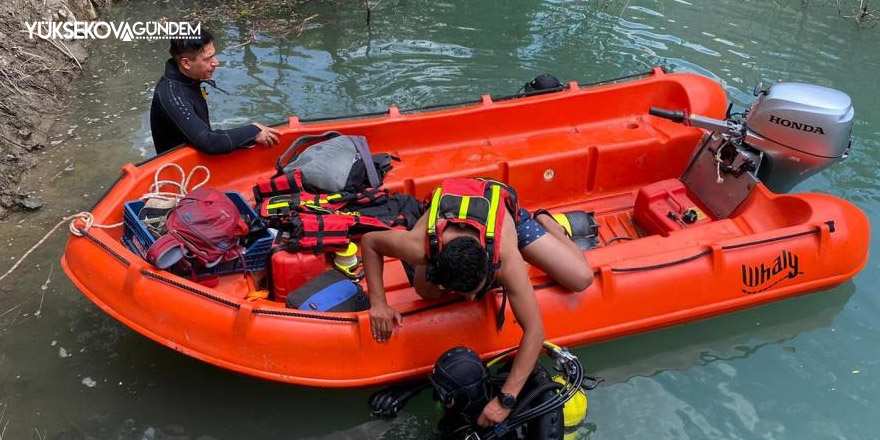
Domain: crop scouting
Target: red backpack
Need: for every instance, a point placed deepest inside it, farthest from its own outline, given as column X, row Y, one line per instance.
column 205, row 227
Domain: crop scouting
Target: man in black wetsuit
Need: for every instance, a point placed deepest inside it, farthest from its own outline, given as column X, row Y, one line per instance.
column 179, row 113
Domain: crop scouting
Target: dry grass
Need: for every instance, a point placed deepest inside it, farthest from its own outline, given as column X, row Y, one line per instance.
column 35, row 75
column 23, row 73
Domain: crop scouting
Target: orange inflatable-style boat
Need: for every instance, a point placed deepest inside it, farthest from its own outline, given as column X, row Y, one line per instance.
column 586, row 147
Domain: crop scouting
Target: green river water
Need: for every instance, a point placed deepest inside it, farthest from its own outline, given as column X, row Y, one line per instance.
column 802, row 368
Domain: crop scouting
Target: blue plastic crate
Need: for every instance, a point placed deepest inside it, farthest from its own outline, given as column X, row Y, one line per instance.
column 138, row 239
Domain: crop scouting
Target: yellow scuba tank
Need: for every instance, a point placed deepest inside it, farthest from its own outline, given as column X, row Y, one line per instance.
column 574, row 411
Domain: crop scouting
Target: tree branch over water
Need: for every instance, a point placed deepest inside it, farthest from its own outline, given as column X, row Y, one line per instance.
column 857, row 10
column 269, row 18
column 272, row 18
column 369, row 9
column 863, row 15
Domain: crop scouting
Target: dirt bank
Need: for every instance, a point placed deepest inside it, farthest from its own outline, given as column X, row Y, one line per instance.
column 35, row 76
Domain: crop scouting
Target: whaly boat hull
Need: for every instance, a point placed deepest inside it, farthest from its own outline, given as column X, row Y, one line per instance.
column 582, row 148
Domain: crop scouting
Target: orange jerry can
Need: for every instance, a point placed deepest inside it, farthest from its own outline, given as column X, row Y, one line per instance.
column 667, row 206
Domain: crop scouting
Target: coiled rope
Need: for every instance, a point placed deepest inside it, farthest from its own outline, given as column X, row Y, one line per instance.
column 88, row 221
column 182, row 186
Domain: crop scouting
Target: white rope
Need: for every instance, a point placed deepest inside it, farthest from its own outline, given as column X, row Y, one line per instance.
column 181, row 187
column 88, row 221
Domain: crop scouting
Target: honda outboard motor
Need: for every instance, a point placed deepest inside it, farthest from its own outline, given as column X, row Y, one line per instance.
column 790, row 133
column 801, row 129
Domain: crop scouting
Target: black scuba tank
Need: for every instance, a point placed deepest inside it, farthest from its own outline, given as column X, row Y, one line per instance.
column 540, row 387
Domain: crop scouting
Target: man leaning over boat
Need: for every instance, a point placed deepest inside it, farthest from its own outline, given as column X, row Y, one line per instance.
column 475, row 237
column 179, row 113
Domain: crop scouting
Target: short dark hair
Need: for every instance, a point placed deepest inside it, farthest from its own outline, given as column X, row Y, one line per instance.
column 189, row 47
column 461, row 265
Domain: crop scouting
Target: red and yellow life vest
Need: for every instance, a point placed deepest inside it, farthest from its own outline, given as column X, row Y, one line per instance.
column 315, row 229
column 479, row 203
column 321, row 222
column 287, row 189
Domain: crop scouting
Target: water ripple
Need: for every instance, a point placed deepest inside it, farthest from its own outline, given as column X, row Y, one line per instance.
column 702, row 49
column 646, row 10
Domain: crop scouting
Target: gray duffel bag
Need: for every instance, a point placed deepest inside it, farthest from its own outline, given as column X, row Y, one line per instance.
column 332, row 162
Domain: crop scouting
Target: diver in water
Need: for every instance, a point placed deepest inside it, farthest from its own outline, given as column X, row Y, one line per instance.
column 550, row 407
column 473, row 239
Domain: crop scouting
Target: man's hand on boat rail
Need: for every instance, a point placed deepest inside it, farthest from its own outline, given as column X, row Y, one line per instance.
column 382, row 318
column 267, row 136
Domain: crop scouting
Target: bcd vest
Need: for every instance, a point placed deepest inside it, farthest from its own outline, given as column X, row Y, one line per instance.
column 479, row 203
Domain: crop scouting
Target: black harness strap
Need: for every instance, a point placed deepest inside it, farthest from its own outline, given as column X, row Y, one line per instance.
column 319, row 247
column 499, row 318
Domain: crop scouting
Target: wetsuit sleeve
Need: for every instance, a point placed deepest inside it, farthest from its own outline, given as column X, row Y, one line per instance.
column 180, row 110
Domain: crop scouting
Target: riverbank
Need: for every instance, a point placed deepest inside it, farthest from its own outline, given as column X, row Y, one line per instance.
column 35, row 77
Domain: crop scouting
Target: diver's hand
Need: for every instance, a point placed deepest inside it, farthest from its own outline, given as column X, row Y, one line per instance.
column 493, row 414
column 388, row 402
column 267, row 136
column 382, row 318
